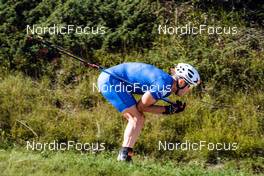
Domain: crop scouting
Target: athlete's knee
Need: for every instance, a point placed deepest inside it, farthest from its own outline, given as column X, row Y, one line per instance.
column 139, row 120
column 134, row 116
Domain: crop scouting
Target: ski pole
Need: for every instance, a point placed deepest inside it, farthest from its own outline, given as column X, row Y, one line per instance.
column 62, row 50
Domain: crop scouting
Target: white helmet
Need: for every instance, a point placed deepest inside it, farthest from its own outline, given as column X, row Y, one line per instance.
column 188, row 73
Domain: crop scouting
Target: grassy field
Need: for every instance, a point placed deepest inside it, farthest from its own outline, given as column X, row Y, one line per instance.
column 23, row 162
column 35, row 104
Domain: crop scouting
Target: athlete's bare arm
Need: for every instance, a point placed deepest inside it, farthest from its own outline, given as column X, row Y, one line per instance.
column 146, row 104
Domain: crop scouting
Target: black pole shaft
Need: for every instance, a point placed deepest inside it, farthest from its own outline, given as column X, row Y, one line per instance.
column 62, row 50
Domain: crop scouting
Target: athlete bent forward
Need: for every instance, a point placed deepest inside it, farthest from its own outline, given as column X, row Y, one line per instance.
column 154, row 84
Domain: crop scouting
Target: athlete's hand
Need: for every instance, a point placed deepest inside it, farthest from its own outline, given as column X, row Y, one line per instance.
column 175, row 108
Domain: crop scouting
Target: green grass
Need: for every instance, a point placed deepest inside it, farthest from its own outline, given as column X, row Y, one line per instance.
column 22, row 162
column 78, row 114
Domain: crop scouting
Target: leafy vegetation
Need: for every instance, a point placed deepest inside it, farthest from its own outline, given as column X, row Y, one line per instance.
column 69, row 113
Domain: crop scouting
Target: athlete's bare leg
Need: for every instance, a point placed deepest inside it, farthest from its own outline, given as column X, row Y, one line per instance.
column 134, row 126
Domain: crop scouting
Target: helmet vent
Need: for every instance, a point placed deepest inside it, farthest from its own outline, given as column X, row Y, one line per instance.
column 191, row 71
column 191, row 76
